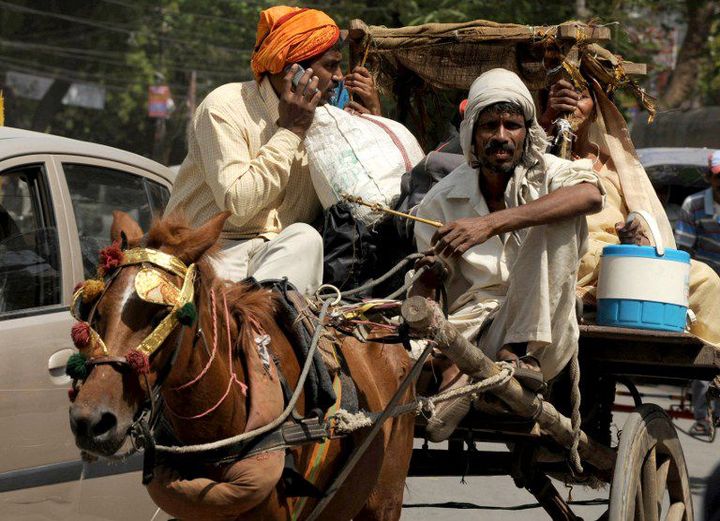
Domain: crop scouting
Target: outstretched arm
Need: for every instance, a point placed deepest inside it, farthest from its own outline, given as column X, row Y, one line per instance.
column 457, row 237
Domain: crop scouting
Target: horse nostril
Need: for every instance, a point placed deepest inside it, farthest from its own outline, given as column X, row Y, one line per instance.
column 107, row 423
column 89, row 424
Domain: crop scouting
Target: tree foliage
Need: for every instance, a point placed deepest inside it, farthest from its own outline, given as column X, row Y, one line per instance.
column 128, row 45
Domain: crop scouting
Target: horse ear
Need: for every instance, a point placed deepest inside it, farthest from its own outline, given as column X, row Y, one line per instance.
column 124, row 224
column 200, row 240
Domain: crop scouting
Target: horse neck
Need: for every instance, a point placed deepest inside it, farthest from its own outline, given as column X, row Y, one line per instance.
column 205, row 389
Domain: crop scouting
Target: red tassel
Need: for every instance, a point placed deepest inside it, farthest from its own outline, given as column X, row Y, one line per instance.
column 81, row 334
column 139, row 361
column 110, row 258
column 72, row 394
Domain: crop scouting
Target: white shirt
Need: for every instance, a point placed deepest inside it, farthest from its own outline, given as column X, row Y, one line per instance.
column 477, row 282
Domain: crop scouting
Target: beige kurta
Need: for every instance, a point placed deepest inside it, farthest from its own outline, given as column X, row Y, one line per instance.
column 479, row 281
column 240, row 160
column 704, row 282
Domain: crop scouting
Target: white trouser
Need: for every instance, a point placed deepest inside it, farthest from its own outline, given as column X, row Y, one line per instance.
column 540, row 304
column 296, row 253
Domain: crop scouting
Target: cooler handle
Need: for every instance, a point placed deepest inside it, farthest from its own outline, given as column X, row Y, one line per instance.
column 654, row 229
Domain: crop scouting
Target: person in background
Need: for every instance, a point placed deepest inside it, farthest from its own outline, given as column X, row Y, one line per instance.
column 246, row 153
column 697, row 231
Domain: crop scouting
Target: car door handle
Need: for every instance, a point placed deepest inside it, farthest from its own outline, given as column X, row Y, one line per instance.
column 56, row 366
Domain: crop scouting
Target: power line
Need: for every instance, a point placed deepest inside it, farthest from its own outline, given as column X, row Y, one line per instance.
column 107, row 58
column 108, row 27
column 78, row 76
column 185, row 13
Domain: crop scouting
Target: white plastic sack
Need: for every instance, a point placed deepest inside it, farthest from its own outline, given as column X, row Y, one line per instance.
column 364, row 156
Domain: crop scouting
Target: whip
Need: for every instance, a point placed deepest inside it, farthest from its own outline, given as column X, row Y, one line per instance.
column 377, row 207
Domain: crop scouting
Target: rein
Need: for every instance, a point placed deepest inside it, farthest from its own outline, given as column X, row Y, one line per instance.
column 233, row 375
column 242, row 440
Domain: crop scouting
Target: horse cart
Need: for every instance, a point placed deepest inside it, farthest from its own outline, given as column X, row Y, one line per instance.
column 646, row 469
column 422, row 66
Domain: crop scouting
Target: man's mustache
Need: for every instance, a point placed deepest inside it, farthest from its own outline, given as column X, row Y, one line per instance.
column 497, row 146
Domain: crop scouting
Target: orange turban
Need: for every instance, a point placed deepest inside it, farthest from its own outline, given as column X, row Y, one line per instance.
column 287, row 35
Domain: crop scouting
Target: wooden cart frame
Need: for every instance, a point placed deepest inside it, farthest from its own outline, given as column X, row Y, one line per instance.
column 649, row 462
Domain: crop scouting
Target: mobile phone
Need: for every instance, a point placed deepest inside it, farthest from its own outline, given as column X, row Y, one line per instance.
column 298, row 74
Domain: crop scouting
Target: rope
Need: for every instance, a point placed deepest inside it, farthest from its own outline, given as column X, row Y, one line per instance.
column 187, row 449
column 575, row 419
column 427, row 405
column 214, row 350
column 345, row 422
column 382, row 278
column 233, row 374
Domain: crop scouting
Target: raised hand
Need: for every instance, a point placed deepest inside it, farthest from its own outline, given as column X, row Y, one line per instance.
column 457, row 237
column 562, row 99
column 361, row 84
column 297, row 105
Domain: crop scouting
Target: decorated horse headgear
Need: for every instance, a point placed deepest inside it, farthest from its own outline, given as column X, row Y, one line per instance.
column 151, row 285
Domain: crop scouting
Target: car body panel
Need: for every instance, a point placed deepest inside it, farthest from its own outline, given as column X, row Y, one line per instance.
column 40, row 466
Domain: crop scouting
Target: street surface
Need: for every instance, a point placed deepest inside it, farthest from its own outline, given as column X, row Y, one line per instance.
column 487, row 497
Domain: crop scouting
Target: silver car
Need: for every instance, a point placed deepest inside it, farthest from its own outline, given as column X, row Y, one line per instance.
column 56, row 201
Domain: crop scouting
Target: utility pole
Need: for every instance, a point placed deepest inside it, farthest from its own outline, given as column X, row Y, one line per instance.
column 191, row 100
column 160, row 123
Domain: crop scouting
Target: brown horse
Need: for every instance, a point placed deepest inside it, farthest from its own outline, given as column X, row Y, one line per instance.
column 226, row 388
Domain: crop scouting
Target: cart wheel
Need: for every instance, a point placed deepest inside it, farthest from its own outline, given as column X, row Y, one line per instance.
column 650, row 469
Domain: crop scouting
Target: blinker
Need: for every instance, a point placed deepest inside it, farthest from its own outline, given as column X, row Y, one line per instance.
column 152, row 286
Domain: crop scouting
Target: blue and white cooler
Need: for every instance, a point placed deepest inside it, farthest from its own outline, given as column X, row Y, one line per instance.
column 643, row 287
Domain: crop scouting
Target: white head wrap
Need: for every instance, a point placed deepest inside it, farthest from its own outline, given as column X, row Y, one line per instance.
column 497, row 86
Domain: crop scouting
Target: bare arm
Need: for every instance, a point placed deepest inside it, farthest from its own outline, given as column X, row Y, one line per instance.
column 457, row 237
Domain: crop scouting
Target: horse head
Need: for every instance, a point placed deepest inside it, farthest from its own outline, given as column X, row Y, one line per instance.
column 127, row 319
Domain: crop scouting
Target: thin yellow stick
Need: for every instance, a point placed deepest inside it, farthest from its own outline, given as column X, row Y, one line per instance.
column 362, row 63
column 379, row 208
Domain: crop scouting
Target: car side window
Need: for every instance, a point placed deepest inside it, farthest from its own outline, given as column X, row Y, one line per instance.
column 30, row 275
column 96, row 191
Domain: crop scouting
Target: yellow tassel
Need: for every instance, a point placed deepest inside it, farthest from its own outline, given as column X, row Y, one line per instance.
column 92, row 290
column 2, row 109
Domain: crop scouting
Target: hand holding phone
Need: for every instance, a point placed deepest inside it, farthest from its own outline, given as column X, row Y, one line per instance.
column 299, row 72
column 298, row 100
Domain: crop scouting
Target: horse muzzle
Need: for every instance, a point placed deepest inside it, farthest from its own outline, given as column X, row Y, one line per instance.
column 97, row 430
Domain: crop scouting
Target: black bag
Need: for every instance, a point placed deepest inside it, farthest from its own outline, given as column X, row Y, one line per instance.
column 350, row 248
column 356, row 253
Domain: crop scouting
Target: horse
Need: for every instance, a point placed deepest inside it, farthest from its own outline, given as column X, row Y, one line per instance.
column 215, row 383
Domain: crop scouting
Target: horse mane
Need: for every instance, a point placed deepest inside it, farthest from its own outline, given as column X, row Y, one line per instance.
column 249, row 304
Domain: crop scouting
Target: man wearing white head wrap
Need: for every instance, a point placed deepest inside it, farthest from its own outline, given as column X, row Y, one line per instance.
column 515, row 230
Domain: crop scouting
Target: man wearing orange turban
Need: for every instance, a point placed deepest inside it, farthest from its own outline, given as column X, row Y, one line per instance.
column 246, row 152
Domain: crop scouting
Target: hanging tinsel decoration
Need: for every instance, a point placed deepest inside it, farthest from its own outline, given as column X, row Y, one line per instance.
column 187, row 314
column 138, row 361
column 76, row 367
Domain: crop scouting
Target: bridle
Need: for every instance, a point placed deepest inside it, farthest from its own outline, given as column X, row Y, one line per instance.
column 151, row 285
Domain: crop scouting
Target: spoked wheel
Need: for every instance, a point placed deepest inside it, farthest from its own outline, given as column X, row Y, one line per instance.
column 650, row 482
